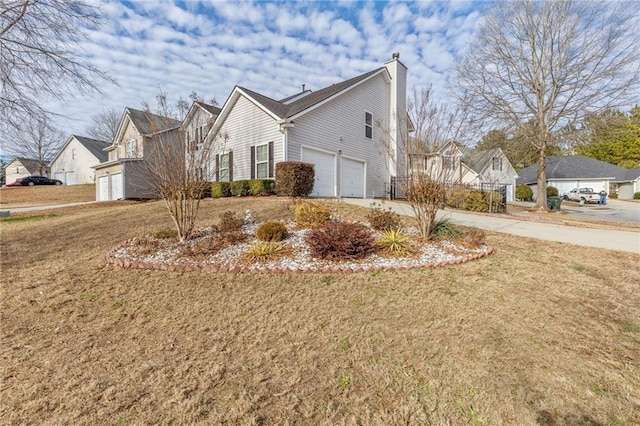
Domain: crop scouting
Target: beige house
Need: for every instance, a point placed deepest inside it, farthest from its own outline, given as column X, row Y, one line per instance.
column 124, row 174
column 74, row 163
column 21, row 167
column 196, row 125
column 456, row 165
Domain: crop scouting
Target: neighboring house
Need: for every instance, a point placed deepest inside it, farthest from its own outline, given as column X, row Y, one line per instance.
column 74, row 163
column 196, row 125
column 459, row 165
column 23, row 167
column 577, row 171
column 339, row 129
column 124, row 175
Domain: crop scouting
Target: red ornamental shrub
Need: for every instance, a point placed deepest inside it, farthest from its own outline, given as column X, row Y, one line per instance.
column 340, row 241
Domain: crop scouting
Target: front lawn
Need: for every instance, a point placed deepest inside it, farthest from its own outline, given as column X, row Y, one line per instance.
column 537, row 333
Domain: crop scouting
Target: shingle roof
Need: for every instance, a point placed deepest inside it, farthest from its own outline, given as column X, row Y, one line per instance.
column 477, row 160
column 282, row 110
column 32, row 166
column 627, row 175
column 572, row 167
column 95, row 147
column 148, row 123
column 214, row 110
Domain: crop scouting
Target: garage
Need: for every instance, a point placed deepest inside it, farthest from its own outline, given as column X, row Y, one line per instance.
column 115, row 181
column 325, row 170
column 69, row 178
column 103, row 188
column 352, row 178
column 59, row 176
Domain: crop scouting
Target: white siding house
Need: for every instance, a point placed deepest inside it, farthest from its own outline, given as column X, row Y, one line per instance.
column 74, row 163
column 22, row 167
column 337, row 128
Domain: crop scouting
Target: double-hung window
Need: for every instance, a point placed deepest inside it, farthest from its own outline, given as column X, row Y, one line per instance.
column 131, row 148
column 262, row 161
column 223, row 171
column 73, row 153
column 497, row 164
column 368, row 125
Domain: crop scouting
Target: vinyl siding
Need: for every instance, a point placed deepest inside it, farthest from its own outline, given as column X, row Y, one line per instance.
column 247, row 125
column 81, row 165
column 344, row 117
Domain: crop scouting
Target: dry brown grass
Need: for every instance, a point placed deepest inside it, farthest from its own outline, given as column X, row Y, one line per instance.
column 538, row 333
column 42, row 195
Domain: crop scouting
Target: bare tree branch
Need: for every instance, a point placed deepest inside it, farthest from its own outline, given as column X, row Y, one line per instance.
column 538, row 66
column 40, row 58
column 36, row 140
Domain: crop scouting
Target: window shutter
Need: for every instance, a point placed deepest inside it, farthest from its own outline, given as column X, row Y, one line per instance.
column 230, row 166
column 270, row 159
column 217, row 168
column 253, row 162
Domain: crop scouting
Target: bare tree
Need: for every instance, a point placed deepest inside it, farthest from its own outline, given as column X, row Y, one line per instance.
column 39, row 43
column 104, row 125
column 430, row 141
column 36, row 140
column 180, row 172
column 548, row 63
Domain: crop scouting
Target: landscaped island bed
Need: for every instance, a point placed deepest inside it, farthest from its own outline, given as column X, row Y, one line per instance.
column 536, row 333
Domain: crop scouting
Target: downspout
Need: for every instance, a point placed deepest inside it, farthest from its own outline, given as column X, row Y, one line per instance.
column 283, row 127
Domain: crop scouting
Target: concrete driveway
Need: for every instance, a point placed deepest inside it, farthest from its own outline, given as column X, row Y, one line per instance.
column 628, row 241
column 614, row 211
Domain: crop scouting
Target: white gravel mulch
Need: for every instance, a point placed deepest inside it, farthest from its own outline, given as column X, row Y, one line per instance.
column 172, row 255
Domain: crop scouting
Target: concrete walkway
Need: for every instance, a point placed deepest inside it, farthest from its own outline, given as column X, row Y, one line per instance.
column 48, row 207
column 628, row 241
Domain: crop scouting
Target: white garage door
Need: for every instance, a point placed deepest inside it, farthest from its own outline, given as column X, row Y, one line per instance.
column 59, row 176
column 116, row 186
column 103, row 188
column 352, row 179
column 69, row 178
column 325, row 166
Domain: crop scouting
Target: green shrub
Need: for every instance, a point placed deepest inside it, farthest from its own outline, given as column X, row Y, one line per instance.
column 230, row 222
column 394, row 241
column 240, row 188
column 636, row 196
column 455, row 196
column 552, row 191
column 220, row 189
column 272, row 231
column 311, row 215
column 340, row 241
column 475, row 201
column 381, row 219
column 165, row 234
column 443, row 229
column 261, row 187
column 524, row 192
column 294, row 179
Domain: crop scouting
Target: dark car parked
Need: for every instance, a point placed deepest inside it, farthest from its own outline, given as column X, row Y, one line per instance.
column 36, row 180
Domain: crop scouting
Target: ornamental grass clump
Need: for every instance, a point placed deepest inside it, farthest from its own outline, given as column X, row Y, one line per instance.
column 263, row 250
column 445, row 230
column 272, row 231
column 340, row 241
column 395, row 242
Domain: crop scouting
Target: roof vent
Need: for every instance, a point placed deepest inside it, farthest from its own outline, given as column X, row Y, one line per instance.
column 395, row 55
column 303, row 87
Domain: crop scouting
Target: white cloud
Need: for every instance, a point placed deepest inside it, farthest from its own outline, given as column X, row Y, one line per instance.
column 272, row 48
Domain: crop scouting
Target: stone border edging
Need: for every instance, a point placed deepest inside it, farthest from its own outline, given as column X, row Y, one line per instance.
column 177, row 267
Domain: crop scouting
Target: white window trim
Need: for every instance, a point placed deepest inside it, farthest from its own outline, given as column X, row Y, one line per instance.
column 266, row 145
column 493, row 164
column 130, row 148
column 221, row 168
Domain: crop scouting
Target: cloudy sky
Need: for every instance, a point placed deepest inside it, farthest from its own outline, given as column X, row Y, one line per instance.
column 272, row 48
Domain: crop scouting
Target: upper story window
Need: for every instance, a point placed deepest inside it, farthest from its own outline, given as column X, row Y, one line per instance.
column 73, row 154
column 448, row 160
column 131, row 148
column 497, row 163
column 368, row 125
